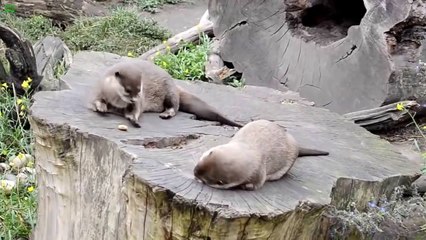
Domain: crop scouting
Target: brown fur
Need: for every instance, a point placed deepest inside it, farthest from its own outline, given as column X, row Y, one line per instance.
column 260, row 151
column 159, row 93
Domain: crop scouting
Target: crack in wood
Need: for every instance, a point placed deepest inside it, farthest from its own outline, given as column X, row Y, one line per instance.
column 348, row 53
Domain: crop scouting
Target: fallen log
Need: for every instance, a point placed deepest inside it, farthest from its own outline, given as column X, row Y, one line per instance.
column 21, row 59
column 95, row 181
column 59, row 11
column 344, row 55
column 387, row 117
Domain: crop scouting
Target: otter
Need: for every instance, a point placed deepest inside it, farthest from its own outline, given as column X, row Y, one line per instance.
column 260, row 151
column 134, row 86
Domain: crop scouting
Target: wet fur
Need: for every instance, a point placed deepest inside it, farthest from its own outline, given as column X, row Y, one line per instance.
column 260, row 151
column 159, row 94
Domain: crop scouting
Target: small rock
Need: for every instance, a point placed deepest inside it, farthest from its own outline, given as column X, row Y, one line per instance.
column 22, row 178
column 420, row 183
column 122, row 127
column 4, row 167
column 7, row 185
column 10, row 177
column 28, row 170
column 20, row 161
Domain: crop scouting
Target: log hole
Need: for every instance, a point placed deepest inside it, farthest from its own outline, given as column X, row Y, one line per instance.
column 328, row 21
column 162, row 142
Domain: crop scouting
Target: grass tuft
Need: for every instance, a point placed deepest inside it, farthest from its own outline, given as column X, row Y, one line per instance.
column 118, row 33
column 151, row 5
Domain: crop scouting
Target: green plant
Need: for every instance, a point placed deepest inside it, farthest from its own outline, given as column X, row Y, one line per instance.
column 14, row 138
column 401, row 107
column 151, row 5
column 118, row 33
column 188, row 62
column 17, row 212
column 32, row 28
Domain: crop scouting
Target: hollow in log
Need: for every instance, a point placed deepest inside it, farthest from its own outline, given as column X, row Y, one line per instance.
column 344, row 55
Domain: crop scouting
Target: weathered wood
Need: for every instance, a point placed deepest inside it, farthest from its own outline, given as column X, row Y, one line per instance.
column 340, row 54
column 61, row 11
column 95, row 181
column 386, row 117
column 51, row 52
column 21, row 58
column 215, row 68
column 174, row 43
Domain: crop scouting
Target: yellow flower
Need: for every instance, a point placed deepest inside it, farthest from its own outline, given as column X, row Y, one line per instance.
column 30, row 189
column 21, row 156
column 186, row 71
column 130, row 54
column 4, row 86
column 25, row 85
column 19, row 101
column 164, row 64
column 30, row 164
column 399, row 106
column 23, row 107
column 29, row 79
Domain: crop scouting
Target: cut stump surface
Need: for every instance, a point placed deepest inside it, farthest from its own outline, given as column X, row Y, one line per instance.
column 97, row 182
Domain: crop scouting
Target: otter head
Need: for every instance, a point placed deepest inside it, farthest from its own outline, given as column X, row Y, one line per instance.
column 131, row 87
column 220, row 168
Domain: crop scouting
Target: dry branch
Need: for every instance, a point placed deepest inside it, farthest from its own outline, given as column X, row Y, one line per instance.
column 174, row 43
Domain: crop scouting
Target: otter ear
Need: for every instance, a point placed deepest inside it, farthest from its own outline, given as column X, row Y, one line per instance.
column 210, row 153
column 117, row 74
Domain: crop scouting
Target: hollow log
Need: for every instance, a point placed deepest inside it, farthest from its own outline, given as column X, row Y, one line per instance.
column 97, row 182
column 60, row 11
column 21, row 58
column 344, row 55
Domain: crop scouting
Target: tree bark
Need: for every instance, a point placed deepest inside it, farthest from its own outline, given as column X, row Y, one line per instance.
column 21, row 58
column 343, row 55
column 97, row 182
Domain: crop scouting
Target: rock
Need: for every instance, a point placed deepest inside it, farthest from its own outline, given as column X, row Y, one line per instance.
column 22, row 178
column 122, row 127
column 138, row 184
column 4, row 167
column 420, row 184
column 51, row 51
column 7, row 186
column 20, row 161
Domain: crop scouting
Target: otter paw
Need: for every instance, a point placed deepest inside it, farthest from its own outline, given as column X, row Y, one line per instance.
column 248, row 186
column 165, row 115
column 100, row 107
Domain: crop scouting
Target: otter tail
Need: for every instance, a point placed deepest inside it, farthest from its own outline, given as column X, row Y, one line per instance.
column 191, row 104
column 311, row 152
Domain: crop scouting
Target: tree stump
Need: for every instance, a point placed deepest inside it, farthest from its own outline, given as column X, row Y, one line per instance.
column 97, row 182
column 344, row 55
